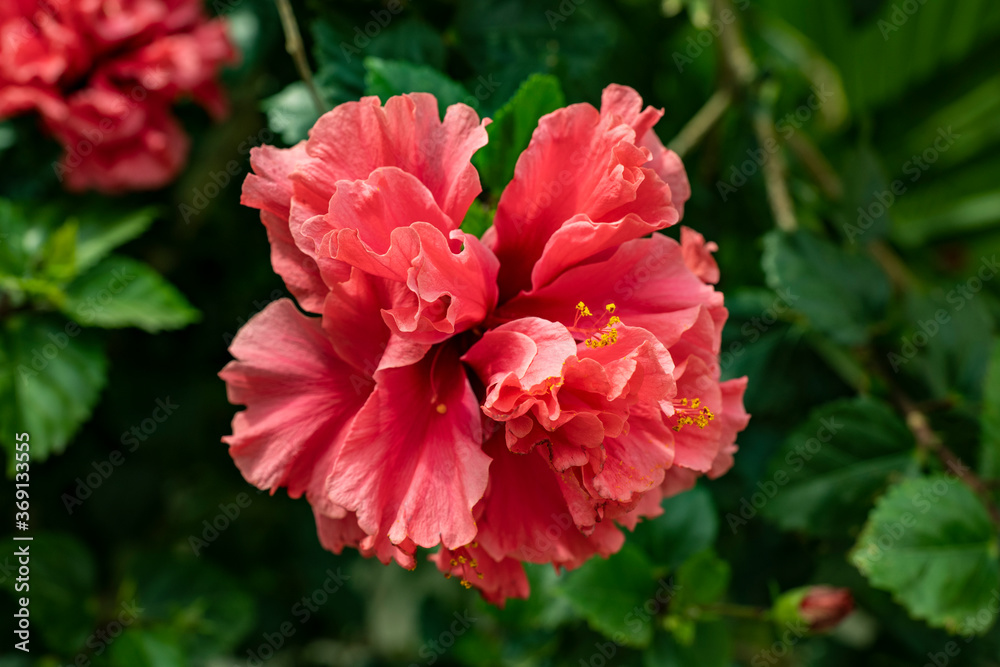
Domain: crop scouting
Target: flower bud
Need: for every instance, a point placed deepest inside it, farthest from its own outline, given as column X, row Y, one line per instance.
column 821, row 608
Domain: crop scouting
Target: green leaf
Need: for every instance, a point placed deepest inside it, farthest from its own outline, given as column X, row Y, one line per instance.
column 841, row 293
column 607, row 591
column 825, row 477
column 512, row 127
column 291, row 113
column 62, row 590
column 711, row 646
column 929, row 541
column 121, row 292
column 99, row 234
column 148, row 648
column 386, row 78
column 51, row 374
column 989, row 453
column 689, row 524
column 59, row 253
column 702, row 580
column 477, row 219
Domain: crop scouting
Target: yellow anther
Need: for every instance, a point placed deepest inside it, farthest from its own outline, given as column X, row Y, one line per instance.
column 690, row 413
column 441, row 408
column 466, row 584
column 479, row 574
column 461, row 559
column 447, row 575
column 454, row 562
column 473, row 545
column 473, row 564
column 610, row 307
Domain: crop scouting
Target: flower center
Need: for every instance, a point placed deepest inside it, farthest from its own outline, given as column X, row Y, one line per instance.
column 601, row 332
column 691, row 411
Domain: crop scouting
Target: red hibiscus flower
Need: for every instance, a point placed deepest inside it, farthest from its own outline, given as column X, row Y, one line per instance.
column 505, row 400
column 103, row 75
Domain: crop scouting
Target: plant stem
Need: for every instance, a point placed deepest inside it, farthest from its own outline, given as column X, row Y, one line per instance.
column 737, row 611
column 929, row 442
column 703, row 121
column 296, row 48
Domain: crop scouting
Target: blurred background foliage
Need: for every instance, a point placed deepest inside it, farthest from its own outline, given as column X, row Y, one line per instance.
column 873, row 209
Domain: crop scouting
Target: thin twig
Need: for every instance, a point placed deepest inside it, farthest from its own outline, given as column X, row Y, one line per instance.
column 775, row 168
column 817, row 165
column 929, row 441
column 703, row 121
column 296, row 48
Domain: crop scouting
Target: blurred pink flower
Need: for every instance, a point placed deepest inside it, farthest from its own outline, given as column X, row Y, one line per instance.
column 103, row 76
column 461, row 394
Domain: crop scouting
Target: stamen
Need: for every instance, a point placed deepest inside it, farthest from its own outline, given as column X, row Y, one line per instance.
column 600, row 333
column 690, row 412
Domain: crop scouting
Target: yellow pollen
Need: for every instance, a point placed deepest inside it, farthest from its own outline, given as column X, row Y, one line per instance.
column 601, row 333
column 454, row 562
column 473, row 545
column 466, row 584
column 690, row 413
column 461, row 559
column 447, row 575
column 441, row 408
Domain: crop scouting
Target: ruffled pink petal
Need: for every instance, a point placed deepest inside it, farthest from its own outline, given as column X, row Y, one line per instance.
column 299, row 401
column 734, row 419
column 412, row 466
column 647, row 281
column 525, row 516
column 626, row 103
column 269, row 189
column 581, row 166
column 698, row 255
column 356, row 138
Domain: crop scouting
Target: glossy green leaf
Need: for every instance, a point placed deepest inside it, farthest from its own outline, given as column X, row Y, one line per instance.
column 611, row 610
column 51, row 374
column 689, row 524
column 930, row 542
column 121, row 292
column 99, row 234
column 842, row 293
column 825, row 477
column 512, row 127
column 386, row 78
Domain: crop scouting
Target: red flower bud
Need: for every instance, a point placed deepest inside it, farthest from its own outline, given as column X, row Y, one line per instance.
column 824, row 607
